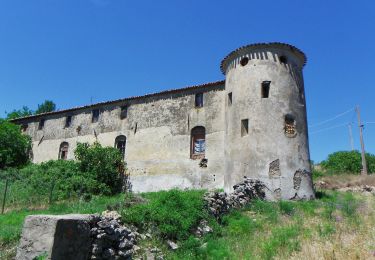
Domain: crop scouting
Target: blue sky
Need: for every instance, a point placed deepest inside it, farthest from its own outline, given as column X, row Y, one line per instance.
column 75, row 51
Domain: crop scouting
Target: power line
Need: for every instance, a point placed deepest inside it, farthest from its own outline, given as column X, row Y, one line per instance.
column 329, row 128
column 351, row 136
column 333, row 118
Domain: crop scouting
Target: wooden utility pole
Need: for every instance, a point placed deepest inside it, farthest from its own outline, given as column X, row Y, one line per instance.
column 364, row 164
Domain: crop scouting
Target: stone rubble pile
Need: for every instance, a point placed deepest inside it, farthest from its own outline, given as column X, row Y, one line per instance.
column 220, row 203
column 361, row 188
column 203, row 228
column 110, row 239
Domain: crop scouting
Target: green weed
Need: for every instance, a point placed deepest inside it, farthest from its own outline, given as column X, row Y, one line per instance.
column 173, row 212
column 326, row 229
column 281, row 238
column 268, row 210
column 286, row 207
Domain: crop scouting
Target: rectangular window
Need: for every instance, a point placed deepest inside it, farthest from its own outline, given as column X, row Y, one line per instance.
column 95, row 115
column 230, row 99
column 41, row 124
column 68, row 121
column 199, row 100
column 244, row 127
column 266, row 89
column 24, row 127
column 124, row 112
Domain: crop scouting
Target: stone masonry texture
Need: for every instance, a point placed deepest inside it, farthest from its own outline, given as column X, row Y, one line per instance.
column 272, row 148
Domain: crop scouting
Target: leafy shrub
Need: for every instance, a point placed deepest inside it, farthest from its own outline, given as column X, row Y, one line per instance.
column 63, row 177
column 95, row 173
column 348, row 162
column 56, row 180
column 104, row 164
column 14, row 146
column 317, row 173
column 174, row 212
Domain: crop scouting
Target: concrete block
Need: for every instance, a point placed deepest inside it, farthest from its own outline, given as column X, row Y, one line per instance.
column 59, row 237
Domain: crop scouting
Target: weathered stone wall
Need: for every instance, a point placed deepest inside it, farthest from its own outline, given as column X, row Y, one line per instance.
column 158, row 132
column 266, row 152
column 158, row 129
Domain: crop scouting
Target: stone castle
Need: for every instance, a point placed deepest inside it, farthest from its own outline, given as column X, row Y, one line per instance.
column 253, row 124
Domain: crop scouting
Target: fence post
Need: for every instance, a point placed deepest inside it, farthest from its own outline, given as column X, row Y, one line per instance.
column 5, row 196
column 51, row 192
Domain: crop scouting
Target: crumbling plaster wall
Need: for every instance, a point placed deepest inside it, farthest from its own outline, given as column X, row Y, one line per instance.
column 158, row 138
column 266, row 145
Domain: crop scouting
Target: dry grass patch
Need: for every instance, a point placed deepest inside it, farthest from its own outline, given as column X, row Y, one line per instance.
column 341, row 238
column 345, row 180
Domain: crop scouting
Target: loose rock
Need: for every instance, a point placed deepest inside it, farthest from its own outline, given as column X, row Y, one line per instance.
column 110, row 239
column 220, row 203
column 172, row 245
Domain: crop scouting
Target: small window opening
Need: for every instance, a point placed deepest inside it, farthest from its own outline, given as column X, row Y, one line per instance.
column 198, row 142
column 68, row 121
column 266, row 89
column 283, row 60
column 120, row 144
column 41, row 124
column 244, row 127
column 95, row 115
column 124, row 112
column 230, row 99
column 63, row 152
column 244, row 61
column 290, row 126
column 199, row 100
column 24, row 127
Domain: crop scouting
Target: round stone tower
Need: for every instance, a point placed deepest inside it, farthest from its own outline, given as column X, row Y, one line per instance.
column 266, row 126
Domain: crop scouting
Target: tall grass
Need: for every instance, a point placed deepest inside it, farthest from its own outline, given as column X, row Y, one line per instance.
column 173, row 212
column 261, row 230
column 11, row 223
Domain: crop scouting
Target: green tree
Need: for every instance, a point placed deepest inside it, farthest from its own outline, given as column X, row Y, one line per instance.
column 46, row 106
column 15, row 147
column 16, row 113
column 104, row 164
column 348, row 162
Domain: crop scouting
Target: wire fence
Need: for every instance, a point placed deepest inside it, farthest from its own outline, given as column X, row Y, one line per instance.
column 20, row 189
column 17, row 192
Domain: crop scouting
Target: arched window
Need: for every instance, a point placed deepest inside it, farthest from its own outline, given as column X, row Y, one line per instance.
column 120, row 144
column 63, row 152
column 198, row 142
column 244, row 61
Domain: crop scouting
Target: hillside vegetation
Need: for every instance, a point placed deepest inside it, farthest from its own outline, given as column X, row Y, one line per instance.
column 338, row 225
column 347, row 162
